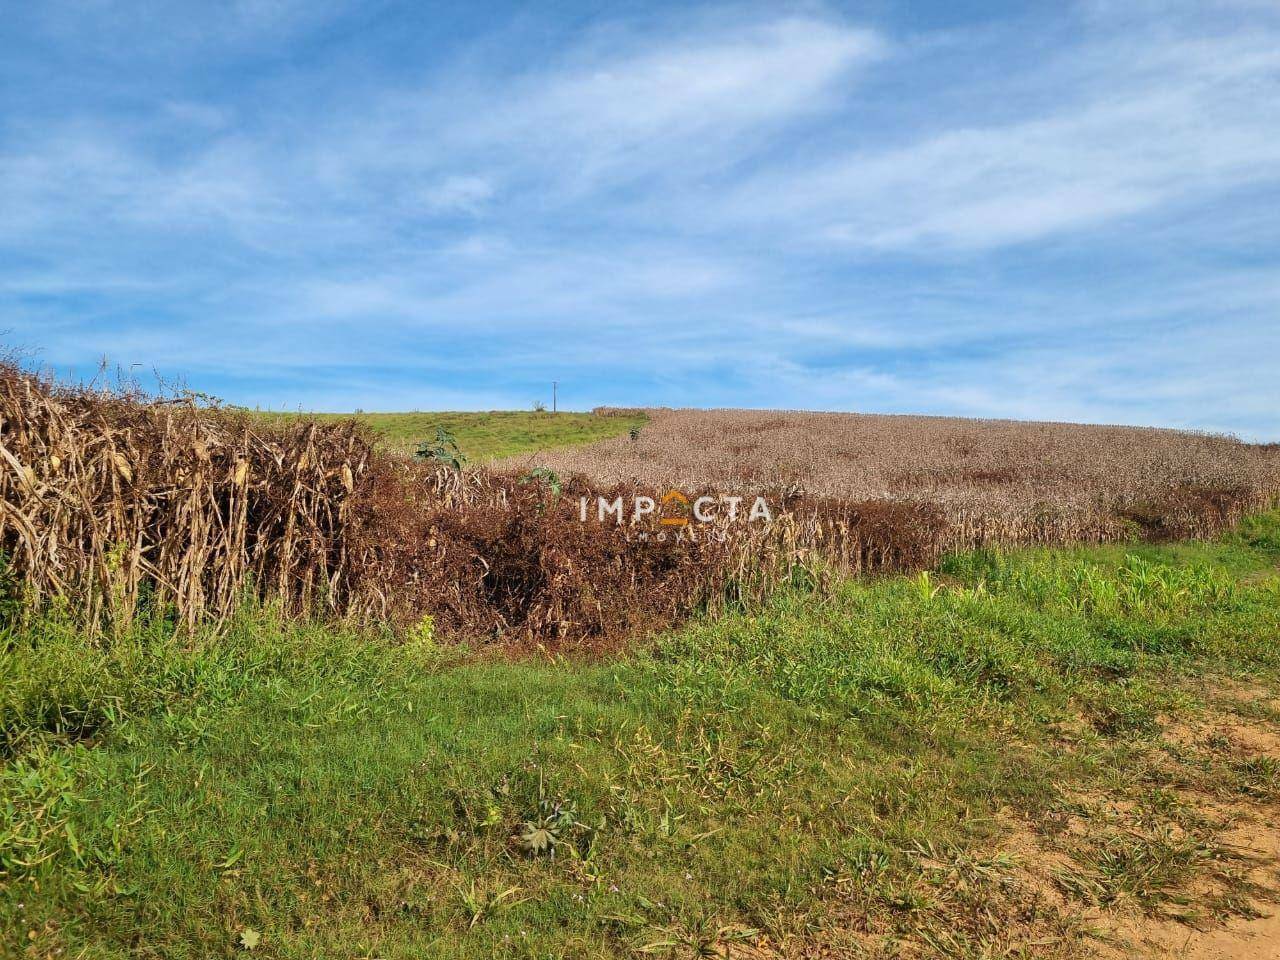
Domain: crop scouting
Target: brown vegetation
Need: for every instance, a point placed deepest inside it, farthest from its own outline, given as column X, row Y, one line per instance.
column 112, row 502
column 108, row 499
column 507, row 556
column 995, row 481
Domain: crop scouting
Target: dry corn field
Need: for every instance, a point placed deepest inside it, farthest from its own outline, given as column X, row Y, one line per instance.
column 996, row 481
column 114, row 503
column 110, row 500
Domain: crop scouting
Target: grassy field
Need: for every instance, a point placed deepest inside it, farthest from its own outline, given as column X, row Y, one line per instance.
column 487, row 436
column 1016, row 752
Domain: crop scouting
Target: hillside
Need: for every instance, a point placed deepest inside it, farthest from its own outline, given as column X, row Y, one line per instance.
column 482, row 436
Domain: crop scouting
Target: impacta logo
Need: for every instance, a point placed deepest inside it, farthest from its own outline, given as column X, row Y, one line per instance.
column 675, row 509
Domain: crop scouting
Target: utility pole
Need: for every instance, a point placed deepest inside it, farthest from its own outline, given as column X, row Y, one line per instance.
column 554, row 385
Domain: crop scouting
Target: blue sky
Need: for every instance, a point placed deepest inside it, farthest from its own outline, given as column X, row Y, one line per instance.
column 1056, row 211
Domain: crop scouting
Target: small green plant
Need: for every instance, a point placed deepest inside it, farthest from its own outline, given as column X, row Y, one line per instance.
column 546, row 476
column 443, row 451
column 701, row 936
column 551, row 827
column 421, row 637
column 479, row 905
column 924, row 586
column 634, row 434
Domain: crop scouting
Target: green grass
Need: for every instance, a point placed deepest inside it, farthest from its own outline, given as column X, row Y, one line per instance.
column 487, row 436
column 843, row 768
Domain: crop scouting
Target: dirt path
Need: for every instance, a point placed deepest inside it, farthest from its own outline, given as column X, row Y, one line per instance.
column 1239, row 940
column 1257, row 839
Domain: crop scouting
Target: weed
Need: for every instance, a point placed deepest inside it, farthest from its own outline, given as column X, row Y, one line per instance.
column 1146, row 868
column 1259, row 775
column 551, row 828
column 548, row 478
column 479, row 904
column 443, row 451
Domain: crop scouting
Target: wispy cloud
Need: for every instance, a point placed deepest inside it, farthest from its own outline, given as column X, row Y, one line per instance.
column 625, row 110
column 1194, row 119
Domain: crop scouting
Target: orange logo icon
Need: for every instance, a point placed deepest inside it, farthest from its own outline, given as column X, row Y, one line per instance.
column 675, row 496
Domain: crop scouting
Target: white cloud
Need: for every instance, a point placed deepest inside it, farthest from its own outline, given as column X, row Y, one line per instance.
column 616, row 107
column 716, row 86
column 1181, row 122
